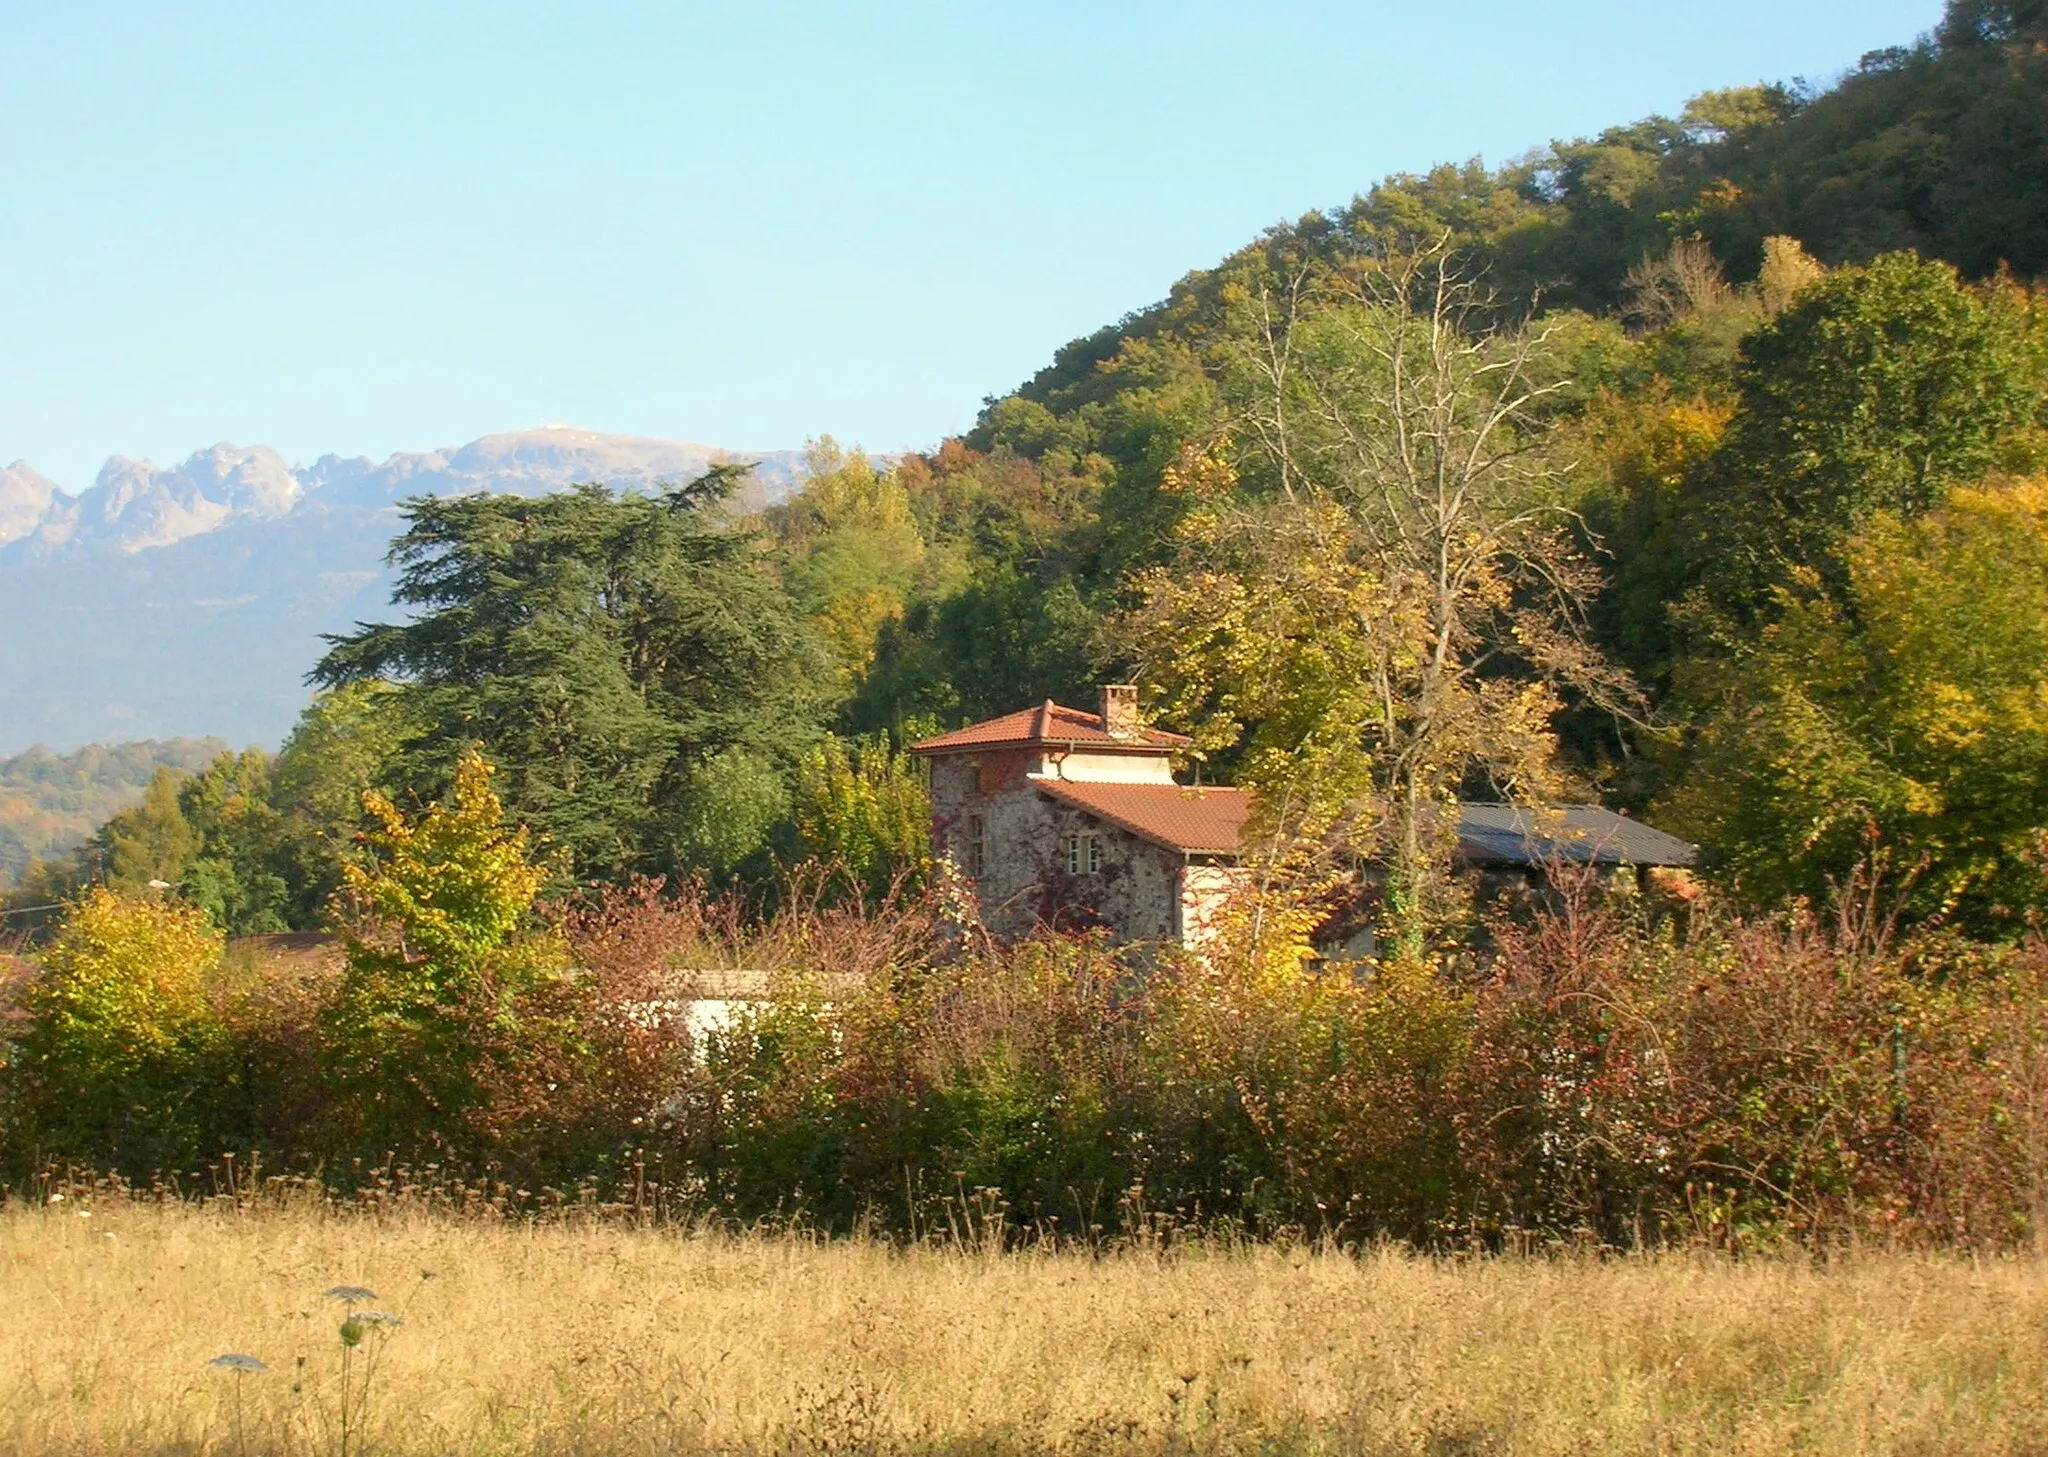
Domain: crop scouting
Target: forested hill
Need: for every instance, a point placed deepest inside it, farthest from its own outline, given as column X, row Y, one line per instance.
column 1940, row 146
column 1747, row 530
column 1765, row 325
column 51, row 802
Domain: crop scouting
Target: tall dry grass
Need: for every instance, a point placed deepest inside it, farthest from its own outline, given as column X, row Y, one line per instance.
column 558, row 1338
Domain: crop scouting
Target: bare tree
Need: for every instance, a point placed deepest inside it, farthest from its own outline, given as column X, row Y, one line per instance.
column 1405, row 607
column 1686, row 280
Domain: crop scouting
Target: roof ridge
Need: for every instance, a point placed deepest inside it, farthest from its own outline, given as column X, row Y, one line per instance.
column 1053, row 723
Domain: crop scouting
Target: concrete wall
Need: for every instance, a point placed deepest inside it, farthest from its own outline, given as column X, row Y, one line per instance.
column 1205, row 891
column 1085, row 768
column 708, row 1000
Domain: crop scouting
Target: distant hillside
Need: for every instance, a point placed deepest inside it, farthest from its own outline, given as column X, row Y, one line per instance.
column 1940, row 146
column 191, row 598
column 51, row 802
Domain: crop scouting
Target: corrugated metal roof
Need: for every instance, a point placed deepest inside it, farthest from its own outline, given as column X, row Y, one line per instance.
column 1050, row 723
column 1194, row 821
column 1579, row 834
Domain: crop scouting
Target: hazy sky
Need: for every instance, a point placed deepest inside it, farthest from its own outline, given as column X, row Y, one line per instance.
column 371, row 227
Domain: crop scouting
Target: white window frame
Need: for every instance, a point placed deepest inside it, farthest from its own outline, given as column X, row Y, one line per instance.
column 1084, row 853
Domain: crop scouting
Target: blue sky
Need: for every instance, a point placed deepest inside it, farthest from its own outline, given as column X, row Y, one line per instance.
column 373, row 227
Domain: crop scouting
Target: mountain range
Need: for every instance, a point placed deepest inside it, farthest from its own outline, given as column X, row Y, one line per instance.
column 190, row 599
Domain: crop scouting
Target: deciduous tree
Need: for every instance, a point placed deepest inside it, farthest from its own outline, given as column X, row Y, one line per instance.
column 454, row 1012
column 1906, row 716
column 1881, row 388
column 1390, row 615
column 864, row 809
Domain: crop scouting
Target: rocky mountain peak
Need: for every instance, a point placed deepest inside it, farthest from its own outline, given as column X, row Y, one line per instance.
column 26, row 498
column 164, row 598
column 136, row 505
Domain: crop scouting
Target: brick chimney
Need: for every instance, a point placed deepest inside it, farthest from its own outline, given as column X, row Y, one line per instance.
column 1120, row 709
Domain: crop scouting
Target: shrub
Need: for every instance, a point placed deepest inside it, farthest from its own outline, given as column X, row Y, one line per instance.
column 454, row 1019
column 1609, row 1073
column 1755, row 1080
column 124, row 1058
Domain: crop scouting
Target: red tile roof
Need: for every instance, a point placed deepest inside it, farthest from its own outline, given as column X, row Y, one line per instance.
column 1051, row 724
column 1212, row 821
column 1197, row 821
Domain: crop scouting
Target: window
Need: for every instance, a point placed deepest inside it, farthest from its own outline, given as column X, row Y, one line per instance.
column 975, row 783
column 977, row 844
column 1084, row 854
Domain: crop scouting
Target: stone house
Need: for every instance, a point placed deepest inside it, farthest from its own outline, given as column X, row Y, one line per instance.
column 1071, row 819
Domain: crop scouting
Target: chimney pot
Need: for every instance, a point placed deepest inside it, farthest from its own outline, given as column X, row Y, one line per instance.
column 1120, row 709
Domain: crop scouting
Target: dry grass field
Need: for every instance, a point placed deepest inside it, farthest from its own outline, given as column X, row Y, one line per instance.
column 560, row 1339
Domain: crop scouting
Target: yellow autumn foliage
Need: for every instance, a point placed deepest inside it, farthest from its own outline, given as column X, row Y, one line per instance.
column 452, row 885
column 123, row 1039
column 124, row 982
column 1904, row 714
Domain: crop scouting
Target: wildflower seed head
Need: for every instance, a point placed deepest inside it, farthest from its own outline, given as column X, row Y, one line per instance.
column 236, row 1361
column 376, row 1317
column 352, row 1294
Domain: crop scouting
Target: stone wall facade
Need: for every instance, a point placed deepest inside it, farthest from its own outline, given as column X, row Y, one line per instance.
column 1037, row 862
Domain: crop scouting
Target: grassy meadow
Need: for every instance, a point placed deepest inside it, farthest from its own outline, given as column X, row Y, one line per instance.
column 568, row 1338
